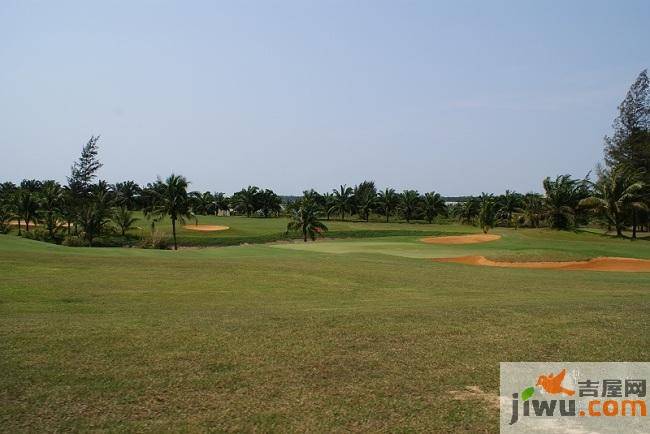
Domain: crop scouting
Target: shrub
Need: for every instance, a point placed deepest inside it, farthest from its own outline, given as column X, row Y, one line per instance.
column 156, row 241
column 74, row 241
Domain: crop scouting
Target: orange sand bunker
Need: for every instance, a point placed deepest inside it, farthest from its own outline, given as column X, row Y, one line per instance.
column 206, row 228
column 461, row 239
column 596, row 264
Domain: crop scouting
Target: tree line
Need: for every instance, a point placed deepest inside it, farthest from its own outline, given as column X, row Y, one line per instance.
column 85, row 208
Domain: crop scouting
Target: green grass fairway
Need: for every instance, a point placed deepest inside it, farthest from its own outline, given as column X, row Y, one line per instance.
column 293, row 338
column 260, row 230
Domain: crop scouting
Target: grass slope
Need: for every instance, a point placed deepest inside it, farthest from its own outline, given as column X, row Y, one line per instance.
column 261, row 338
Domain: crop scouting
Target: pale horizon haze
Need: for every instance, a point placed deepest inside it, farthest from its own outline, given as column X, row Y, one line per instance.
column 458, row 97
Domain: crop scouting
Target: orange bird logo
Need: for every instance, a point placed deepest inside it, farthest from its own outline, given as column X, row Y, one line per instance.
column 553, row 384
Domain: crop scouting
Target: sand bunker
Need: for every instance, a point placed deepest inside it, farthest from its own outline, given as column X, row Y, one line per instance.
column 596, row 264
column 461, row 239
column 206, row 228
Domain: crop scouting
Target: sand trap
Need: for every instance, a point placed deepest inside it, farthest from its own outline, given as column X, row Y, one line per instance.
column 461, row 239
column 22, row 223
column 596, row 264
column 206, row 228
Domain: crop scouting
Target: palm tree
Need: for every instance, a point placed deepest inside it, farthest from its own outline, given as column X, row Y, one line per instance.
column 173, row 201
column 468, row 211
column 616, row 191
column 328, row 201
column 342, row 200
column 124, row 219
column 95, row 213
column 28, row 202
column 246, row 200
column 533, row 208
column 127, row 194
column 433, row 205
column 52, row 201
column 269, row 202
column 388, row 201
column 304, row 218
column 487, row 212
column 562, row 198
column 8, row 194
column 508, row 204
column 409, row 204
column 221, row 202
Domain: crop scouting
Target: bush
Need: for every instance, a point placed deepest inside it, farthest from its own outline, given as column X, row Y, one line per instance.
column 74, row 241
column 156, row 241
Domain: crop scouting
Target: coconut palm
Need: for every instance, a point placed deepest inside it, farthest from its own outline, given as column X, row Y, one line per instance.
column 533, row 208
column 487, row 212
column 387, row 201
column 126, row 194
column 562, row 198
column 51, row 202
column 410, row 201
column 269, row 202
column 221, row 202
column 8, row 193
column 328, row 201
column 172, row 200
column 433, row 205
column 616, row 191
column 246, row 200
column 507, row 205
column 304, row 218
column 468, row 211
column 95, row 213
column 124, row 219
column 342, row 202
column 27, row 202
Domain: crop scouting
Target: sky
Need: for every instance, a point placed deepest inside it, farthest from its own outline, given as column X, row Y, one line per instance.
column 458, row 97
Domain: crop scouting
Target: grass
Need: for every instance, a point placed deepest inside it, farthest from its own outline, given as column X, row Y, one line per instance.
column 288, row 337
column 262, row 230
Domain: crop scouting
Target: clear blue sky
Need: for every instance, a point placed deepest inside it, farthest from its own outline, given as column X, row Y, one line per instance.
column 457, row 97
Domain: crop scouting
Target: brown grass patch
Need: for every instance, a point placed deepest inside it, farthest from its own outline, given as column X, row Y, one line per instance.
column 461, row 239
column 596, row 264
column 474, row 393
column 206, row 228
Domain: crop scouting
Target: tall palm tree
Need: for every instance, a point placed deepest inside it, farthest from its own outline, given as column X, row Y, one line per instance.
column 304, row 218
column 173, row 201
column 487, row 212
column 269, row 202
column 533, row 208
column 410, row 201
column 433, row 205
column 52, row 201
column 616, row 191
column 126, row 194
column 468, row 211
column 96, row 212
column 8, row 203
column 562, row 198
column 342, row 200
column 328, row 201
column 28, row 202
column 246, row 200
column 508, row 204
column 388, row 201
column 221, row 202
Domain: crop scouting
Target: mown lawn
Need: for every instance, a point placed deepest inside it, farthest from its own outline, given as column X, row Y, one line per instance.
column 276, row 338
